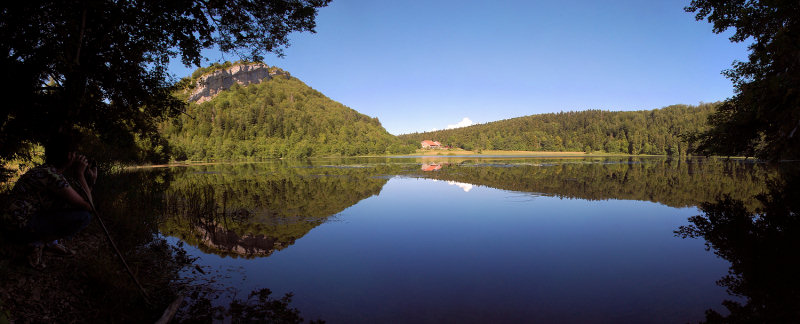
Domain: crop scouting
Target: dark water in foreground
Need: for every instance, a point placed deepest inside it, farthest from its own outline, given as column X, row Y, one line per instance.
column 471, row 240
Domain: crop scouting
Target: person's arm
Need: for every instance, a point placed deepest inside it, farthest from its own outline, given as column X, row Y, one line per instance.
column 91, row 174
column 75, row 196
column 82, row 163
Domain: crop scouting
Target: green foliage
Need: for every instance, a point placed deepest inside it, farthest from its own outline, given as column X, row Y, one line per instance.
column 763, row 118
column 102, row 65
column 661, row 131
column 280, row 117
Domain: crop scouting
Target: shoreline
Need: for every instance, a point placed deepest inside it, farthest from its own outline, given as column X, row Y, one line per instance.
column 506, row 153
column 443, row 153
column 418, row 154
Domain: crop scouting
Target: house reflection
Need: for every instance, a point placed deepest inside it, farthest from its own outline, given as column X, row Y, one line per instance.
column 431, row 167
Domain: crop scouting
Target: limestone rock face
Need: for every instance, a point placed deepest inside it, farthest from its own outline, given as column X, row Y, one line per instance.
column 227, row 241
column 209, row 85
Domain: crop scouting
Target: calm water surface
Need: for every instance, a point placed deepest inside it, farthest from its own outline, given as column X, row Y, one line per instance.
column 463, row 240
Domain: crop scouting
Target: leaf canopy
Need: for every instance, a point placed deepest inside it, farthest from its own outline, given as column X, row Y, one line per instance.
column 100, row 66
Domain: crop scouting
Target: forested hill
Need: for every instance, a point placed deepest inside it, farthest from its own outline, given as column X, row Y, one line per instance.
column 658, row 131
column 278, row 117
column 283, row 117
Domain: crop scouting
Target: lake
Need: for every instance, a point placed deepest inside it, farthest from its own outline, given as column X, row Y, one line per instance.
column 465, row 239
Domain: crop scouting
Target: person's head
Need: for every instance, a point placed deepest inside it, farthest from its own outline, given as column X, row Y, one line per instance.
column 57, row 149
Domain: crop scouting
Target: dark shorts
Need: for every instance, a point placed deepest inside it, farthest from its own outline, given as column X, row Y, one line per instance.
column 48, row 226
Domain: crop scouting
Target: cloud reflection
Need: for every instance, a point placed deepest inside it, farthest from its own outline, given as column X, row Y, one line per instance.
column 464, row 186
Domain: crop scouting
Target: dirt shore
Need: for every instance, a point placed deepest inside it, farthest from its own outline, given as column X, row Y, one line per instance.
column 88, row 287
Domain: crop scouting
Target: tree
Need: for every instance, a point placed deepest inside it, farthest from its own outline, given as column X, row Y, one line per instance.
column 592, row 130
column 763, row 117
column 101, row 65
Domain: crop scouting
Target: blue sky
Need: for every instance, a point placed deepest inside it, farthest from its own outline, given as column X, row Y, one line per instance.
column 423, row 65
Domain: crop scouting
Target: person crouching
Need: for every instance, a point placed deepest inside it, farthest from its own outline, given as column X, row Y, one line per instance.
column 43, row 206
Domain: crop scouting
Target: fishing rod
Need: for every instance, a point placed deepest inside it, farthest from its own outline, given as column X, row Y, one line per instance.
column 113, row 245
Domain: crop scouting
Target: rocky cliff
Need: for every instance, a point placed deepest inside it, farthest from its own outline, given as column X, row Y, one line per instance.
column 210, row 84
column 221, row 241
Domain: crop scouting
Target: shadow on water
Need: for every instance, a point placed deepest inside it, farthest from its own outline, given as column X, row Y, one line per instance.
column 762, row 246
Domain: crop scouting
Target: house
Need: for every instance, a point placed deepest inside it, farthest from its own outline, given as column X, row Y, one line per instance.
column 428, row 144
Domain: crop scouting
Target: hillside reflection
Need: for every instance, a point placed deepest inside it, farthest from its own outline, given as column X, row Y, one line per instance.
column 252, row 210
column 762, row 247
column 672, row 182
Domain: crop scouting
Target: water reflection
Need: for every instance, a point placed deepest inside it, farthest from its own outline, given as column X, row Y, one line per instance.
column 464, row 186
column 253, row 210
column 762, row 247
column 249, row 211
column 672, row 182
column 431, row 166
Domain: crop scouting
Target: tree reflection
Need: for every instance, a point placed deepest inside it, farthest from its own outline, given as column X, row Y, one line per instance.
column 672, row 182
column 762, row 247
column 248, row 211
column 258, row 307
column 252, row 210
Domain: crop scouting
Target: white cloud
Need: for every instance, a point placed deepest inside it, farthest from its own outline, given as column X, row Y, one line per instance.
column 463, row 123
